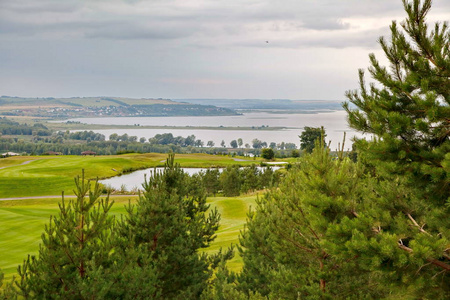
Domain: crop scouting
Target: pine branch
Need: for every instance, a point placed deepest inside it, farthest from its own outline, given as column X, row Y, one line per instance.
column 417, row 225
column 435, row 262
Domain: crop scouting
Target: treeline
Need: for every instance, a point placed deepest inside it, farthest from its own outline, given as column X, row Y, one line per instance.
column 100, row 147
column 8, row 127
column 73, row 143
column 233, row 180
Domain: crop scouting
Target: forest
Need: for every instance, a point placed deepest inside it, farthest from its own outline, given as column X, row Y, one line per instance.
column 375, row 225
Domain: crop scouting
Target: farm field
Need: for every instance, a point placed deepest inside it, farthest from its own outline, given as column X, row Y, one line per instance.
column 22, row 223
column 28, row 176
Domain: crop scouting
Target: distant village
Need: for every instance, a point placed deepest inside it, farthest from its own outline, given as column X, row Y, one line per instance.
column 121, row 111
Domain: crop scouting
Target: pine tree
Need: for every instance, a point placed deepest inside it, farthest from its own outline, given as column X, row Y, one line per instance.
column 6, row 290
column 230, row 180
column 76, row 247
column 287, row 249
column 168, row 226
column 407, row 113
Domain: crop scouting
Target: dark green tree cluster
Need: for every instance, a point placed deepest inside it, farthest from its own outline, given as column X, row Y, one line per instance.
column 309, row 136
column 8, row 127
column 169, row 139
column 81, row 135
column 169, row 225
column 380, row 227
column 233, row 180
column 289, row 247
column 267, row 153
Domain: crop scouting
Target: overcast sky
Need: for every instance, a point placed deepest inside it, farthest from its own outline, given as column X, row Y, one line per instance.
column 266, row 49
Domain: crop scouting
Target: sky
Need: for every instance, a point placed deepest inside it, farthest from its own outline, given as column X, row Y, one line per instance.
column 175, row 49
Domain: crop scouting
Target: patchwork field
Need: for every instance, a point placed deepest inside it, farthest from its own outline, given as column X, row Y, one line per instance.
column 22, row 223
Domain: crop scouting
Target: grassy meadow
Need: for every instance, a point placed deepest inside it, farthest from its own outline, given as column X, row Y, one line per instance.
column 22, row 223
column 27, row 176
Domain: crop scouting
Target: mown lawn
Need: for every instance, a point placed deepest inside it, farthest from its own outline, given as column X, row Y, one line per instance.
column 50, row 175
column 22, row 223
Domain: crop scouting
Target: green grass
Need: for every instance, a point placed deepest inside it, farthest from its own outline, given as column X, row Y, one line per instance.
column 233, row 213
column 22, row 223
column 28, row 176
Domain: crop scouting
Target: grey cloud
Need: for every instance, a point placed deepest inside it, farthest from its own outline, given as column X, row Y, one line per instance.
column 129, row 31
column 25, row 6
column 322, row 16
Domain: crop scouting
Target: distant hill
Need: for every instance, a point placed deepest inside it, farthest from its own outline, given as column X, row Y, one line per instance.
column 105, row 106
column 275, row 104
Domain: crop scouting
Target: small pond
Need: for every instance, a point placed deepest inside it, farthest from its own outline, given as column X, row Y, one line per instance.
column 135, row 179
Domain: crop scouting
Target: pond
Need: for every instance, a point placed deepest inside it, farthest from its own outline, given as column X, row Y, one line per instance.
column 134, row 180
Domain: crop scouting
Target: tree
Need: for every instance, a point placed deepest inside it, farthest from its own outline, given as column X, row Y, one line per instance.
column 169, row 225
column 309, row 137
column 240, row 142
column 142, row 140
column 124, row 137
column 190, row 140
column 407, row 112
column 233, row 144
column 199, row 143
column 256, row 143
column 222, row 143
column 7, row 291
column 210, row 179
column 75, row 250
column 114, row 137
column 210, row 144
column 230, row 179
column 267, row 153
column 289, row 245
column 295, row 153
column 249, row 177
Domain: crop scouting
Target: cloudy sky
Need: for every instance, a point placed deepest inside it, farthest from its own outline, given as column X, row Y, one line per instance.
column 267, row 49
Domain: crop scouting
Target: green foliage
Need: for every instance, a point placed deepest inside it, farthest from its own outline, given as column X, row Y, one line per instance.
column 75, row 249
column 210, row 180
column 168, row 226
column 224, row 288
column 286, row 247
column 267, row 153
column 230, row 181
column 6, row 291
column 309, row 137
column 8, row 127
column 407, row 112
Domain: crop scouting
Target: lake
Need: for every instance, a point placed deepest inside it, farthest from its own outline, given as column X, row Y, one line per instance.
column 335, row 125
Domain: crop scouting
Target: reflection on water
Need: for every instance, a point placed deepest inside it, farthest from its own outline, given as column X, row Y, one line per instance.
column 135, row 179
